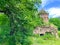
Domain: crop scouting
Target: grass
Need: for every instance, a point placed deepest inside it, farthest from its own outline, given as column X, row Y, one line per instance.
column 46, row 40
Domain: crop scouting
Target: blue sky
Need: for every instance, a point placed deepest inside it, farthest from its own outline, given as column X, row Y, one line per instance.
column 52, row 6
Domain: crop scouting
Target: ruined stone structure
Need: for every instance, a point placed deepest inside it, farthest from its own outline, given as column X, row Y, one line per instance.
column 44, row 15
column 41, row 30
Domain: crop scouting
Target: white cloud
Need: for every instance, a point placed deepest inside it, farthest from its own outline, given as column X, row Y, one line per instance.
column 54, row 12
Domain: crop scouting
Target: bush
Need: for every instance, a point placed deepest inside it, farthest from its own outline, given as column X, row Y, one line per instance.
column 59, row 33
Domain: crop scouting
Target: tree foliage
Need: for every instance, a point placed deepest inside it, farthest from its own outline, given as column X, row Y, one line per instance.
column 22, row 16
column 56, row 21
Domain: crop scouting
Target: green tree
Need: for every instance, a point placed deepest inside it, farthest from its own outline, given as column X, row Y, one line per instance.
column 23, row 17
column 56, row 21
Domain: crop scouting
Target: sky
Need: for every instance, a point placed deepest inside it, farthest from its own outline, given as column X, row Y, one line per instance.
column 52, row 7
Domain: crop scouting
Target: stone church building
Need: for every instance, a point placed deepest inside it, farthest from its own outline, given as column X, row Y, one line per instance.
column 42, row 30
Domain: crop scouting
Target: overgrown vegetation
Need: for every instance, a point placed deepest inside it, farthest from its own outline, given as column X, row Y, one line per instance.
column 17, row 21
column 47, row 39
column 55, row 21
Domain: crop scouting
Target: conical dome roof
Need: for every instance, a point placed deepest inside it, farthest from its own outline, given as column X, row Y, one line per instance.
column 43, row 12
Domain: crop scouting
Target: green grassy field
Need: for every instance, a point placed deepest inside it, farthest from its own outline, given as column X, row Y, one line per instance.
column 46, row 42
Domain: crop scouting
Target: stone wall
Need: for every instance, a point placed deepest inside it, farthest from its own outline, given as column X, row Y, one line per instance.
column 44, row 29
column 44, row 17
